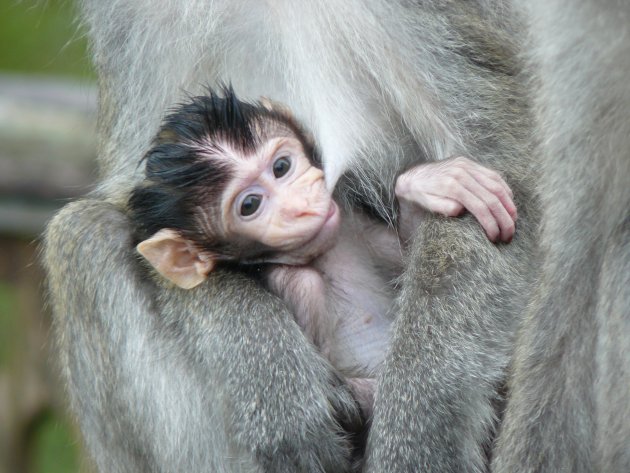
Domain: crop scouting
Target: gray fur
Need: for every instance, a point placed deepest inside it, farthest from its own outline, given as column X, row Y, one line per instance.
column 156, row 374
column 570, row 404
column 220, row 378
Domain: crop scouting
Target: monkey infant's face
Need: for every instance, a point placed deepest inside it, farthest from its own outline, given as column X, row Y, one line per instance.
column 278, row 198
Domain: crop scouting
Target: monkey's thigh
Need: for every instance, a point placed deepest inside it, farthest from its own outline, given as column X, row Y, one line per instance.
column 217, row 379
column 460, row 303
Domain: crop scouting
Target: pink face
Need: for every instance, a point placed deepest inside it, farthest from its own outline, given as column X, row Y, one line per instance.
column 279, row 199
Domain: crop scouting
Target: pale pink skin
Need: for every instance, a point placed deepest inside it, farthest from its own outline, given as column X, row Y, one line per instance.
column 449, row 187
column 297, row 216
column 319, row 249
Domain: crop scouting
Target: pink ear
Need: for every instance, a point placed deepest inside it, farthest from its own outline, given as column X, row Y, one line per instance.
column 176, row 258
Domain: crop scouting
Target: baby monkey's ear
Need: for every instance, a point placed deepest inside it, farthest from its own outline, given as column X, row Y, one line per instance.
column 277, row 107
column 176, row 258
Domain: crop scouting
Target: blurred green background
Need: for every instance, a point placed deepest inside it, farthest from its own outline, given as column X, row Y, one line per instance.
column 47, row 149
column 42, row 37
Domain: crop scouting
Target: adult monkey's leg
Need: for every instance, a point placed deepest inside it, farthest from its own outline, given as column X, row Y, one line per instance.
column 570, row 401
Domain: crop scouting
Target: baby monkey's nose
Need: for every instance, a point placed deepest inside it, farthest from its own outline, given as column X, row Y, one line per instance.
column 298, row 207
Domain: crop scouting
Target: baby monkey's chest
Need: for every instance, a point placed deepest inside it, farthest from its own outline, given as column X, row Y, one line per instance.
column 359, row 295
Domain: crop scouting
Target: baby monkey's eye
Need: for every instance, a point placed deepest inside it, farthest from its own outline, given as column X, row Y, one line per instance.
column 281, row 166
column 250, row 204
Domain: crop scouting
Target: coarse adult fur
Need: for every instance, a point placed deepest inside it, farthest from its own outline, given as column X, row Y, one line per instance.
column 569, row 407
column 220, row 378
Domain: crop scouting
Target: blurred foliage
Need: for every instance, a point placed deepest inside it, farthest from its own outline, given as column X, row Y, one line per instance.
column 52, row 449
column 42, row 37
column 8, row 323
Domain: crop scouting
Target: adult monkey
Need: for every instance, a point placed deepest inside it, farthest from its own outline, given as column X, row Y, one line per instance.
column 570, row 402
column 220, row 378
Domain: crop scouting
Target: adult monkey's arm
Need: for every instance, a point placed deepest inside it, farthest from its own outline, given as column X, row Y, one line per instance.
column 161, row 379
column 217, row 379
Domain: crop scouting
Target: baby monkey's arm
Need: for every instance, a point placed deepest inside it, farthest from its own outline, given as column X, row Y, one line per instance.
column 454, row 185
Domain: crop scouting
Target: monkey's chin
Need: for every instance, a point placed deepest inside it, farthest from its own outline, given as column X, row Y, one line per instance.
column 327, row 234
column 321, row 241
column 326, row 237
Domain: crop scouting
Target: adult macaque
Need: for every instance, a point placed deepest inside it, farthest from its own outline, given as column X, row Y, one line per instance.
column 241, row 183
column 220, row 378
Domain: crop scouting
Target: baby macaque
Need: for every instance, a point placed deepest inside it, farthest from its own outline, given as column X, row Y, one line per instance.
column 240, row 183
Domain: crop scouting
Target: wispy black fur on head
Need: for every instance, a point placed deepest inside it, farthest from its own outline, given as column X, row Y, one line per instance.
column 217, row 118
column 186, row 175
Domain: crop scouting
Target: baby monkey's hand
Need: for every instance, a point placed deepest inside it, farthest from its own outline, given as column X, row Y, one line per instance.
column 454, row 185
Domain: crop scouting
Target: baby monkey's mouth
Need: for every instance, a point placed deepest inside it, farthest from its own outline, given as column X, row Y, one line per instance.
column 325, row 236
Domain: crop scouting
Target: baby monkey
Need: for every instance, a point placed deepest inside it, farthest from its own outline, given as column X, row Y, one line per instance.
column 241, row 183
